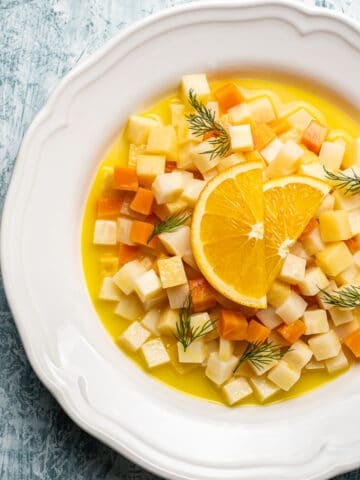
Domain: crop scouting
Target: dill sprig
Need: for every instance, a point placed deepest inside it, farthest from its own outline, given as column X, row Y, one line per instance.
column 347, row 297
column 350, row 184
column 260, row 354
column 185, row 332
column 203, row 122
column 170, row 224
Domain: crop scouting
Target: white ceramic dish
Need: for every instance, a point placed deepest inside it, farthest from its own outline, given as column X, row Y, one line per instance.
column 178, row 437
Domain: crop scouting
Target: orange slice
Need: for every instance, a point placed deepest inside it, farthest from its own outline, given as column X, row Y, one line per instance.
column 227, row 234
column 290, row 203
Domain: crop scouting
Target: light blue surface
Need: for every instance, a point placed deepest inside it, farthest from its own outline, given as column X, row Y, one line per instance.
column 40, row 41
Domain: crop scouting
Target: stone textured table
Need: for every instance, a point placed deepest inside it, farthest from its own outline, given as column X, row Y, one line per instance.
column 40, row 41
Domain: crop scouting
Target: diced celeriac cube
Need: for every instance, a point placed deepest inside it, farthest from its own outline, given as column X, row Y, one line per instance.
column 230, row 161
column 312, row 242
column 284, row 375
column 334, row 258
column 325, row 345
column 147, row 285
column 287, row 160
column 167, row 187
column 105, row 232
column 177, row 113
column 148, row 167
column 138, row 129
column 165, row 210
column 212, row 346
column 210, row 174
column 185, row 155
column 262, row 110
column 354, row 221
column 236, row 389
column 156, row 302
column 226, row 348
column 300, row 119
column 298, row 355
column 293, row 269
column 269, row 318
column 278, row 293
column 327, row 204
column 203, row 161
column 178, row 241
column 124, row 226
column 315, row 322
column 155, row 353
column 331, row 155
column 292, row 309
column 241, row 138
column 162, row 140
column 198, row 84
column 340, row 362
column 134, row 336
column 312, row 170
column 344, row 330
column 346, row 202
column 334, row 226
column 264, row 367
column 151, row 320
column 315, row 365
column 126, row 276
column 348, row 276
column 240, row 114
column 314, row 279
column 339, row 317
column 263, row 388
column 171, row 271
column 168, row 320
column 219, row 371
column 192, row 191
column 109, row 290
column 195, row 352
column 190, row 260
column 177, row 295
column 200, row 320
column 134, row 152
column 271, row 151
column 129, row 307
column 298, row 250
column 320, row 297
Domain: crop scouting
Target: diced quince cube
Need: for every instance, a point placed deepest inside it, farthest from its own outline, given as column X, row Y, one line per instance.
column 293, row 269
column 129, row 307
column 219, row 371
column 312, row 242
column 286, row 161
column 198, row 84
column 162, row 140
column 331, row 155
column 315, row 365
column 325, row 345
column 339, row 317
column 240, row 114
column 177, row 295
column 315, row 170
column 168, row 320
column 126, row 276
column 192, row 191
column 178, row 241
column 155, row 353
column 292, row 309
column 278, row 293
column 334, row 226
column 340, row 362
column 298, row 355
column 147, row 285
column 138, row 129
column 134, row 336
column 230, row 161
column 148, row 167
column 185, row 156
column 314, row 280
column 272, row 150
column 109, row 290
column 177, row 111
column 327, row 204
column 226, row 349
column 269, row 318
column 199, row 320
column 262, row 110
column 151, row 320
column 236, row 389
column 263, row 388
column 195, row 352
column 348, row 276
column 314, row 136
column 346, row 202
column 167, row 187
column 241, row 138
column 165, row 210
column 171, row 272
column 201, row 157
column 284, row 375
column 300, row 119
column 316, row 322
column 105, row 232
column 334, row 259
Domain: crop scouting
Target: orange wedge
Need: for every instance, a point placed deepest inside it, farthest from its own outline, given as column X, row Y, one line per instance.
column 290, row 203
column 227, row 234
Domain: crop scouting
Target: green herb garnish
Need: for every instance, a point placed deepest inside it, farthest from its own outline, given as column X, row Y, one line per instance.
column 171, row 224
column 347, row 297
column 350, row 184
column 260, row 354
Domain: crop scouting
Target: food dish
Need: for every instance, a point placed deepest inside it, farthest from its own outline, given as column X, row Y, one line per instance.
column 41, row 262
column 234, row 339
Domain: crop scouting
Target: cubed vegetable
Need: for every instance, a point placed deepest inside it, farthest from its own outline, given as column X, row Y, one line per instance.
column 138, row 129
column 256, row 332
column 147, row 285
column 334, row 258
column 134, row 336
column 262, row 110
column 130, row 308
column 148, row 167
column 293, row 331
column 125, row 178
column 352, row 341
column 300, row 119
column 167, row 187
column 232, row 325
column 192, row 191
column 150, row 321
column 202, row 294
column 314, row 136
column 325, row 345
column 162, row 141
column 331, row 155
column 312, row 242
column 177, row 295
column 269, row 318
column 339, row 317
column 140, row 233
column 263, row 388
column 105, row 232
column 109, row 290
column 334, row 226
column 178, row 241
column 284, row 375
column 314, row 279
column 219, row 371
column 287, row 160
column 293, row 269
column 203, row 161
column 236, row 389
column 195, row 352
column 278, row 293
column 262, row 135
column 171, row 271
column 127, row 253
column 126, row 276
column 143, row 201
column 230, row 161
column 108, row 207
column 241, row 138
column 240, row 114
column 228, row 96
column 272, row 150
column 198, row 84
column 298, row 355
column 315, row 322
column 340, row 362
column 292, row 308
column 168, row 321
column 155, row 353
column 226, row 348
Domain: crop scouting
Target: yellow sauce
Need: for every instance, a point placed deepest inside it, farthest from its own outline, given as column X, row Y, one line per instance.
column 194, row 382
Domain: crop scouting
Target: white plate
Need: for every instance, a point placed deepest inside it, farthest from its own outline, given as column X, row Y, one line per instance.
column 312, row 437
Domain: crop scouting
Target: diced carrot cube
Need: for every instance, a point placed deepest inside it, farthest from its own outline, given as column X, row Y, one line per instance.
column 143, row 201
column 108, row 207
column 293, row 331
column 140, row 233
column 170, row 166
column 127, row 253
column 279, row 126
column 256, row 332
column 262, row 135
column 314, row 136
column 202, row 294
column 191, row 273
column 309, row 228
column 228, row 96
column 125, row 178
column 353, row 244
column 352, row 341
column 232, row 325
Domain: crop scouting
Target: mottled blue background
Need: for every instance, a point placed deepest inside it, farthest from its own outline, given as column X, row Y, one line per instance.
column 40, row 41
